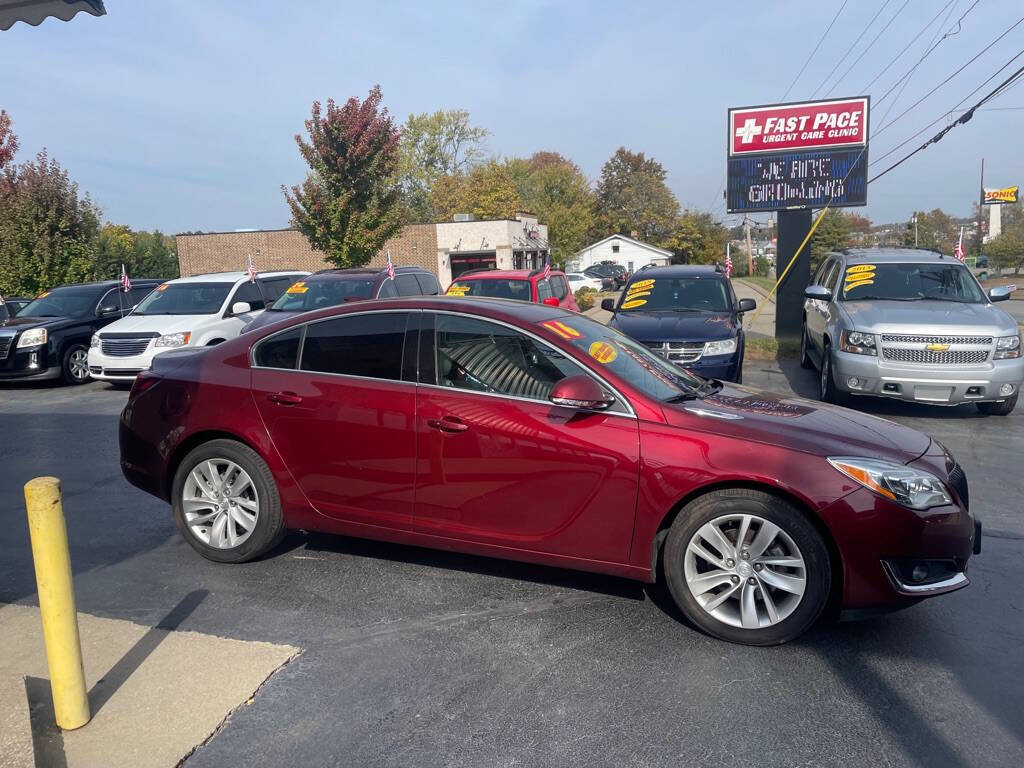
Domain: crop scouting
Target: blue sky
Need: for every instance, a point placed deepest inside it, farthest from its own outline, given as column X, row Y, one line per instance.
column 180, row 115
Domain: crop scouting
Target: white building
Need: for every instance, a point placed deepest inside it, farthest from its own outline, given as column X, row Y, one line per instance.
column 465, row 244
column 630, row 253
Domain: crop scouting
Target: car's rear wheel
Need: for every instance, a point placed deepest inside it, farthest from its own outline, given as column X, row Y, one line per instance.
column 747, row 567
column 805, row 356
column 226, row 503
column 74, row 367
column 1005, row 408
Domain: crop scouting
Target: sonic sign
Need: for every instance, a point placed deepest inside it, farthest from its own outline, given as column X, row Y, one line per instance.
column 798, row 155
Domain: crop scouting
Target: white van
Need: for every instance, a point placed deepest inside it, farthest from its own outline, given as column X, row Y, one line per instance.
column 194, row 311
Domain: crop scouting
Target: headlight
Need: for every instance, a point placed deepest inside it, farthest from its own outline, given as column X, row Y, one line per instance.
column 32, row 338
column 723, row 347
column 1007, row 346
column 94, row 341
column 173, row 339
column 859, row 343
column 905, row 485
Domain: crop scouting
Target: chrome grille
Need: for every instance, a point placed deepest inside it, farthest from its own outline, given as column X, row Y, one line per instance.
column 5, row 346
column 677, row 351
column 124, row 347
column 950, row 357
column 901, row 339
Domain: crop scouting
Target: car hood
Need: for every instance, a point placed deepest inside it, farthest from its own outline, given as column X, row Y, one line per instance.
column 798, row 424
column 676, row 326
column 926, row 316
column 263, row 319
column 25, row 323
column 159, row 324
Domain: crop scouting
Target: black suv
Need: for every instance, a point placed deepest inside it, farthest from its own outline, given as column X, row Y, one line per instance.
column 331, row 287
column 49, row 338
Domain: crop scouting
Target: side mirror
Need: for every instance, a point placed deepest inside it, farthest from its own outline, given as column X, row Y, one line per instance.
column 108, row 311
column 551, row 301
column 580, row 391
column 818, row 293
column 747, row 305
column 1001, row 292
column 608, row 305
column 240, row 308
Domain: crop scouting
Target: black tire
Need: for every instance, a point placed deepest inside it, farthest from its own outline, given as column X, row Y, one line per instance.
column 791, row 521
column 805, row 357
column 71, row 370
column 1005, row 408
column 827, row 390
column 269, row 528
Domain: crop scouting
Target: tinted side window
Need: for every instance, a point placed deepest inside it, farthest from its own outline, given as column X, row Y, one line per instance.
column 821, row 273
column 407, row 285
column 280, row 351
column 115, row 298
column 361, row 345
column 428, row 284
column 138, row 294
column 485, row 357
column 543, row 290
column 273, row 287
column 559, row 287
column 830, row 279
column 249, row 293
column 387, row 290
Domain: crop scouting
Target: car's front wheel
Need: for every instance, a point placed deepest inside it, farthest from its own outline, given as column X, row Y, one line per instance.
column 1005, row 408
column 827, row 390
column 74, row 367
column 226, row 503
column 805, row 355
column 747, row 567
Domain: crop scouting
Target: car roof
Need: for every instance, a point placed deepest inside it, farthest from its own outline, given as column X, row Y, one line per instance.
column 505, row 274
column 683, row 270
column 891, row 255
column 234, row 277
column 362, row 271
column 105, row 284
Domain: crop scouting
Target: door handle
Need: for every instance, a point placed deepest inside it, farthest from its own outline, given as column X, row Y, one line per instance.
column 284, row 398
column 447, row 424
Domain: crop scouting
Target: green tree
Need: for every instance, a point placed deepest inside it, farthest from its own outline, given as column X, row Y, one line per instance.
column 143, row 254
column 832, row 233
column 8, row 141
column 1007, row 250
column 697, row 239
column 351, row 202
column 560, row 195
column 632, row 196
column 488, row 191
column 444, row 143
column 935, row 229
column 47, row 231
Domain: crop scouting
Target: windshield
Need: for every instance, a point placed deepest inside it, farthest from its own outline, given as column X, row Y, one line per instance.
column 75, row 301
column 184, row 299
column 625, row 358
column 948, row 281
column 492, row 288
column 313, row 293
column 700, row 294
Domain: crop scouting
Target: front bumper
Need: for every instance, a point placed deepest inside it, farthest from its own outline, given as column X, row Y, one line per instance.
column 117, row 368
column 28, row 363
column 725, row 367
column 937, row 384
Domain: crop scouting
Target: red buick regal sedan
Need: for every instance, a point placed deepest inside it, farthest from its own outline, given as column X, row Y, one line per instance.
column 527, row 432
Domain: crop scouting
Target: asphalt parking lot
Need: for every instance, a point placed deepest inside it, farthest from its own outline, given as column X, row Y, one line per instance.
column 417, row 657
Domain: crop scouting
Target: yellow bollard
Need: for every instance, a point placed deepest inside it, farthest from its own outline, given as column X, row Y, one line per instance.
column 57, row 601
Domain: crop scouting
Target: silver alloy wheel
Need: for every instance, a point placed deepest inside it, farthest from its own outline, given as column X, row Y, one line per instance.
column 220, row 503
column 78, row 364
column 745, row 571
column 826, row 371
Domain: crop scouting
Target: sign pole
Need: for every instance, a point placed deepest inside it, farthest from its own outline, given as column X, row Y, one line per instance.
column 750, row 251
column 981, row 203
column 789, row 299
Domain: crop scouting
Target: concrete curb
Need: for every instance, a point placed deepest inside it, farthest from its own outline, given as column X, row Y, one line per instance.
column 755, row 288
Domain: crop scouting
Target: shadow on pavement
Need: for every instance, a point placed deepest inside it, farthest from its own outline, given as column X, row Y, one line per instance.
column 47, row 738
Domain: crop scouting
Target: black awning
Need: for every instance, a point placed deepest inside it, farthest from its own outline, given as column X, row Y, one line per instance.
column 34, row 12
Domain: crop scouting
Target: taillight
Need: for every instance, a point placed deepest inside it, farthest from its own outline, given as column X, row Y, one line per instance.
column 145, row 380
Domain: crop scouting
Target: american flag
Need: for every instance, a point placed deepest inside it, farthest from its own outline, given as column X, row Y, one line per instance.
column 728, row 264
column 126, row 284
column 251, row 270
column 547, row 267
column 390, row 269
column 959, row 250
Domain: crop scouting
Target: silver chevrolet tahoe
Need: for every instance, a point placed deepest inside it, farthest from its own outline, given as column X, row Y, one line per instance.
column 913, row 325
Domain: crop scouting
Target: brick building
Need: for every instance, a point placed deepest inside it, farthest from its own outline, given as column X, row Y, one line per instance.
column 447, row 248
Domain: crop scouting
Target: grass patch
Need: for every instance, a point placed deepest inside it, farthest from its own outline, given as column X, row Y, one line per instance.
column 771, row 349
column 764, row 283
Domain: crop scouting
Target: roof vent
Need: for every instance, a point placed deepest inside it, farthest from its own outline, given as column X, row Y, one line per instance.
column 462, row 217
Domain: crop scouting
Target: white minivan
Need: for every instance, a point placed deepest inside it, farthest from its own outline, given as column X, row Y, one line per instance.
column 194, row 311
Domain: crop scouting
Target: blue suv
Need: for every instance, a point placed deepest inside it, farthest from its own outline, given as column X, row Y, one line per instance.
column 687, row 314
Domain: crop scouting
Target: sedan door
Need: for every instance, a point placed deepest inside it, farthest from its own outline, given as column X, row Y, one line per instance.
column 340, row 414
column 500, row 464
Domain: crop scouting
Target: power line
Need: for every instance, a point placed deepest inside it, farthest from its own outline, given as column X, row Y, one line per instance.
column 848, row 52
column 957, row 72
column 862, row 53
column 820, row 41
column 906, row 48
column 965, row 117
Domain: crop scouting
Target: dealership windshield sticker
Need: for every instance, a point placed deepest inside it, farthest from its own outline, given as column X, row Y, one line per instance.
column 858, row 275
column 563, row 330
column 43, row 295
column 602, row 352
column 633, row 304
column 299, row 287
column 162, row 287
column 640, row 285
column 457, row 289
column 634, row 293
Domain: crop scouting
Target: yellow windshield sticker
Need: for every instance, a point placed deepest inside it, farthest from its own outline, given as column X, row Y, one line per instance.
column 637, row 295
column 561, row 329
column 641, row 285
column 299, row 287
column 856, row 269
column 43, row 295
column 603, row 353
column 633, row 304
column 850, row 286
column 457, row 289
column 162, row 287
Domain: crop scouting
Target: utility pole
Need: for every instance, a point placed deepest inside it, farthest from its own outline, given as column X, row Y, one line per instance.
column 750, row 250
column 915, row 230
column 981, row 202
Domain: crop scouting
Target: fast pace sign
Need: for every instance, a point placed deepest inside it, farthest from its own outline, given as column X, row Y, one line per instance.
column 799, row 155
